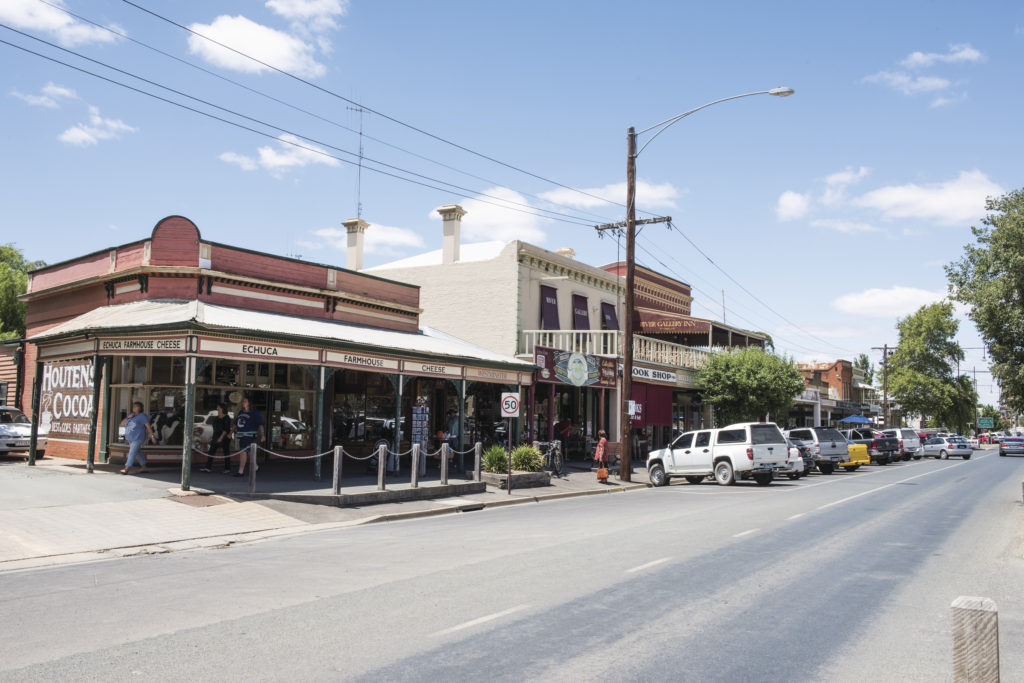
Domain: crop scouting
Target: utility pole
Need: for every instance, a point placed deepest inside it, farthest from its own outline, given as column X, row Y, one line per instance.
column 884, row 348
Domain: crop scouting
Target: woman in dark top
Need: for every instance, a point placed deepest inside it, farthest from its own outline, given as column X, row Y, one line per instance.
column 221, row 439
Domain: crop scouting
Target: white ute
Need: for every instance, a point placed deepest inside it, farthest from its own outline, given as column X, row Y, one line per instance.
column 746, row 450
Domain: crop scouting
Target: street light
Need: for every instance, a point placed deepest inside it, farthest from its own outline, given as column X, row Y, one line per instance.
column 625, row 466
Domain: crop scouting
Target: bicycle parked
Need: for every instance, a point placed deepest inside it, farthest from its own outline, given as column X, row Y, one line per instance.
column 553, row 457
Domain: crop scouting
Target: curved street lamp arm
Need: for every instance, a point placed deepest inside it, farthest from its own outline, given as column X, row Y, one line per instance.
column 668, row 122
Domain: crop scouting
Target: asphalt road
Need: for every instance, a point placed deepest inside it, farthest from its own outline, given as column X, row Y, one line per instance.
column 846, row 577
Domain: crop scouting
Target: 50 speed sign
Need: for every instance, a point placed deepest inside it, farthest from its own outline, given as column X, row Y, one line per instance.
column 509, row 404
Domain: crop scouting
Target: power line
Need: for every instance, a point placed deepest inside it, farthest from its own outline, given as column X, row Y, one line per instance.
column 294, row 107
column 461, row 191
column 371, row 109
column 751, row 294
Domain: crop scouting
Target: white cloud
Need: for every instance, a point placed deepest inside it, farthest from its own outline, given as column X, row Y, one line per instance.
column 98, row 128
column 957, row 53
column 33, row 15
column 311, row 15
column 953, row 202
column 487, row 220
column 893, row 302
column 849, row 227
column 292, row 152
column 836, row 184
column 648, row 195
column 277, row 48
column 902, row 82
column 51, row 93
column 378, row 239
column 792, row 205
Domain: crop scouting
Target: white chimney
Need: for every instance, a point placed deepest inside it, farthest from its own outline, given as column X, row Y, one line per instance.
column 354, row 249
column 452, row 215
column 567, row 252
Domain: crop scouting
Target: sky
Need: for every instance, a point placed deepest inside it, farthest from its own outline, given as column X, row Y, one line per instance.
column 820, row 218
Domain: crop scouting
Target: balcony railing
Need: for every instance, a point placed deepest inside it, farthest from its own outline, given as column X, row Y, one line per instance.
column 609, row 343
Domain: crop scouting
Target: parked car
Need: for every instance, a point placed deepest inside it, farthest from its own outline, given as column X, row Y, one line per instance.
column 806, row 454
column 745, row 450
column 882, row 449
column 909, row 442
column 829, row 446
column 16, row 432
column 1012, row 445
column 941, row 447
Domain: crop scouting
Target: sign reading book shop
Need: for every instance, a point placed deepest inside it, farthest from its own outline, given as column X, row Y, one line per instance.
column 65, row 400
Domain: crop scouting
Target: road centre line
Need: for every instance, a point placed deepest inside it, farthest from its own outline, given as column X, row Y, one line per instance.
column 648, row 565
column 480, row 620
column 745, row 533
column 884, row 486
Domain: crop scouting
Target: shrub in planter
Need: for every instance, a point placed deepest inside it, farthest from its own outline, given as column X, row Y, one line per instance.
column 495, row 459
column 527, row 459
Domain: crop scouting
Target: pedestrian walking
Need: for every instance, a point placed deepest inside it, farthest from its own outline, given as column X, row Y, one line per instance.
column 601, row 455
column 221, row 440
column 136, row 430
column 248, row 429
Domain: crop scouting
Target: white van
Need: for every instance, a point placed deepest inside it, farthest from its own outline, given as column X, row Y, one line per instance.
column 910, row 442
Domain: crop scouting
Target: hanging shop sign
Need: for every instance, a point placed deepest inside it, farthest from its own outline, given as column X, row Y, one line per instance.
column 80, row 348
column 65, row 400
column 239, row 348
column 654, row 375
column 143, row 346
column 428, row 368
column 493, row 376
column 356, row 360
column 572, row 367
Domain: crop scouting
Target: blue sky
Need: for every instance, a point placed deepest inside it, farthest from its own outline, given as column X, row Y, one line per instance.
column 836, row 207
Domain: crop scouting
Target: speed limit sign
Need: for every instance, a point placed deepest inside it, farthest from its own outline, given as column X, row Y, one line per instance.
column 509, row 404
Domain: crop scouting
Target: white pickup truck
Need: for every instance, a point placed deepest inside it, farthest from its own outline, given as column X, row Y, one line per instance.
column 746, row 450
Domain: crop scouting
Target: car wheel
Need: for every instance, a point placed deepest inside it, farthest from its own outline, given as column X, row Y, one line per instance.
column 967, row 457
column 851, row 468
column 883, row 461
column 943, row 455
column 695, row 479
column 657, row 474
column 793, row 477
column 1002, row 455
column 826, row 469
column 724, row 474
column 763, row 479
column 917, row 457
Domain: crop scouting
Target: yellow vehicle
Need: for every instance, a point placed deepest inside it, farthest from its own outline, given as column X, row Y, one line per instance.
column 858, row 456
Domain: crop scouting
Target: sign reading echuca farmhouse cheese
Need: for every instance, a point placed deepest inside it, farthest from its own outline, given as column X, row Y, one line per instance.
column 65, row 400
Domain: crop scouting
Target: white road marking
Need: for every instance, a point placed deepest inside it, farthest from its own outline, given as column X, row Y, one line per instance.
column 648, row 565
column 744, row 533
column 884, row 486
column 796, row 516
column 480, row 620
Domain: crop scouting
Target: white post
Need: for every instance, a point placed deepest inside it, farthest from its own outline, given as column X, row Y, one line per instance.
column 252, row 468
column 339, row 453
column 445, row 448
column 478, row 450
column 975, row 640
column 415, row 465
column 382, row 453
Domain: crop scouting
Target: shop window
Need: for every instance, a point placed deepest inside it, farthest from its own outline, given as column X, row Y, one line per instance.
column 139, row 369
column 299, row 377
column 167, row 414
column 291, row 421
column 227, row 374
column 3, row 393
column 363, row 408
column 205, row 374
column 160, row 370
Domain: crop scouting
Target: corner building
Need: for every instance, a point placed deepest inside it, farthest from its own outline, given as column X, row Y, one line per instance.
column 329, row 356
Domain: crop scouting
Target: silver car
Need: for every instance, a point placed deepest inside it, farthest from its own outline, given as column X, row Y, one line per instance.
column 1012, row 445
column 943, row 447
column 15, row 431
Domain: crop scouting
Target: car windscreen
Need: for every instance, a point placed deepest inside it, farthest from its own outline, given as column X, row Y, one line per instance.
column 762, row 434
column 909, row 434
column 827, row 434
column 13, row 417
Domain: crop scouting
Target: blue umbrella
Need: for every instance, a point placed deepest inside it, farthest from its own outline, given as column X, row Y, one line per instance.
column 857, row 419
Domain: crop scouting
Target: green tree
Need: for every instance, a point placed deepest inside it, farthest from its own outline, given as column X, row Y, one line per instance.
column 921, row 368
column 990, row 279
column 864, row 364
column 963, row 403
column 744, row 385
column 13, row 283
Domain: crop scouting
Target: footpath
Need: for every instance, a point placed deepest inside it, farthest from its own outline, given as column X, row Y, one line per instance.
column 56, row 513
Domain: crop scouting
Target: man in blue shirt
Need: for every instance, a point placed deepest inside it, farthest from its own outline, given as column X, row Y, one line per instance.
column 248, row 428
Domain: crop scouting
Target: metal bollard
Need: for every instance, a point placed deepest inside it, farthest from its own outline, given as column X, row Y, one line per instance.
column 339, row 453
column 445, row 449
column 975, row 640
column 478, row 450
column 252, row 468
column 415, row 466
column 382, row 453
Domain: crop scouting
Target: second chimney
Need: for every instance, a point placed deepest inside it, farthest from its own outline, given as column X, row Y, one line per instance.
column 354, row 249
column 452, row 215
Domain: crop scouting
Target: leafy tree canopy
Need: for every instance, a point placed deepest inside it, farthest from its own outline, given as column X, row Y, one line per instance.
column 744, row 385
column 990, row 279
column 921, row 368
column 864, row 364
column 13, row 283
